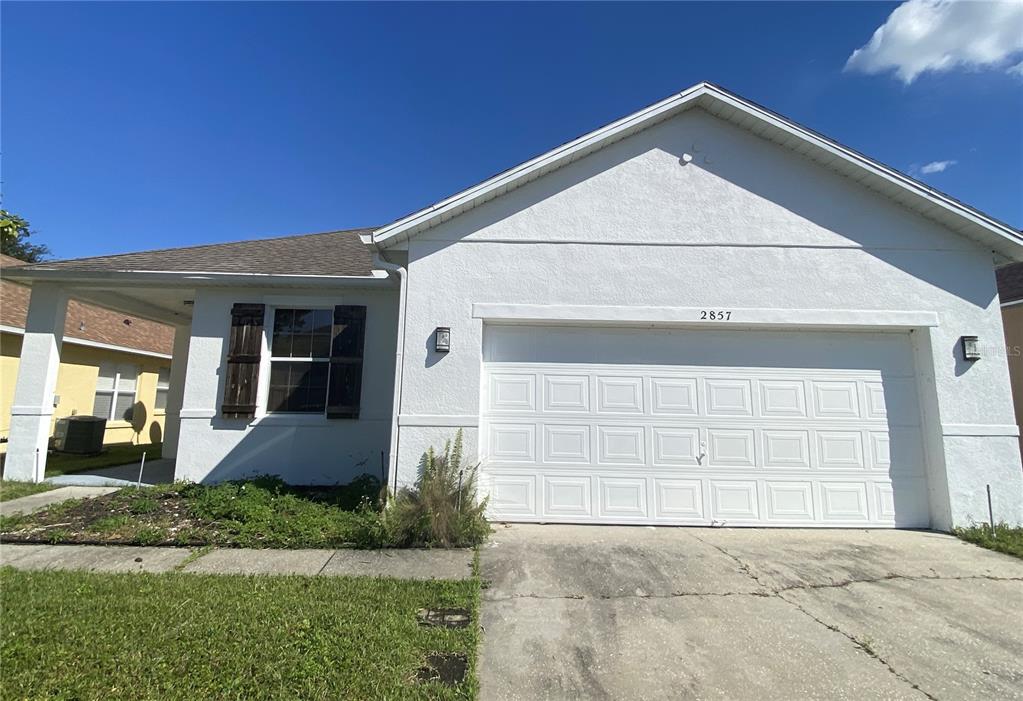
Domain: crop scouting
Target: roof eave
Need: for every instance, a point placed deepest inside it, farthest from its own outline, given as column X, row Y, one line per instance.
column 193, row 278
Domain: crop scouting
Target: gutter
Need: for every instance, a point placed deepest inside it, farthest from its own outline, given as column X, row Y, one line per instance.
column 399, row 365
column 149, row 277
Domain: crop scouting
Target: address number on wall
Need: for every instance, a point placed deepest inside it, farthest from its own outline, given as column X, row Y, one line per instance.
column 715, row 315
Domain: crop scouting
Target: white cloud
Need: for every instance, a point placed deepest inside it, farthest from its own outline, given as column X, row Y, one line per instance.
column 939, row 35
column 937, row 167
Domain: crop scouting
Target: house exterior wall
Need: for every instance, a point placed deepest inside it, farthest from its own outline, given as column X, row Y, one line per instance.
column 303, row 449
column 76, row 387
column 746, row 225
column 1012, row 320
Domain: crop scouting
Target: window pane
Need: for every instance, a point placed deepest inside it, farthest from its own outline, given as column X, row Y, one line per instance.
column 302, row 333
column 101, row 405
column 298, row 387
column 161, row 400
column 127, row 380
column 123, row 410
column 163, row 378
column 281, row 344
column 106, row 376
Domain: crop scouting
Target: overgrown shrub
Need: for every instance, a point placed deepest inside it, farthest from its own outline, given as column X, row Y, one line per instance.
column 442, row 508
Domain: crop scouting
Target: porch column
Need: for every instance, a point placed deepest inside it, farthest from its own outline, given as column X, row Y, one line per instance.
column 176, row 392
column 32, row 412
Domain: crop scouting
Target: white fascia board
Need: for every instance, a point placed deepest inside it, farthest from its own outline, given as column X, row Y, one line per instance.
column 150, row 277
column 862, row 319
column 93, row 344
column 1012, row 303
column 1011, row 239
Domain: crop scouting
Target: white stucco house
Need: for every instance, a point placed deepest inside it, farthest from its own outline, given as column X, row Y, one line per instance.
column 700, row 314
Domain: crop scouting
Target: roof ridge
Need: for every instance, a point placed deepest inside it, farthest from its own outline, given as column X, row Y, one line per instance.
column 203, row 245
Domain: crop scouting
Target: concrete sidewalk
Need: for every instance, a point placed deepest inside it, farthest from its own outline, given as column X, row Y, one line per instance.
column 34, row 502
column 402, row 564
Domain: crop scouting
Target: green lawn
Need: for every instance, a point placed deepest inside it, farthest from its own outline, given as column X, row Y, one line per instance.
column 1005, row 539
column 112, row 455
column 11, row 489
column 184, row 636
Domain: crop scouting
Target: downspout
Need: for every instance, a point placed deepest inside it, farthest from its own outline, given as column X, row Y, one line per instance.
column 399, row 366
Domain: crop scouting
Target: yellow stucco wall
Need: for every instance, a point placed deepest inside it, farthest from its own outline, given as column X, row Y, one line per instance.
column 76, row 387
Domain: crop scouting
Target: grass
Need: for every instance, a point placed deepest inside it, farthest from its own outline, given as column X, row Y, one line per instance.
column 1005, row 538
column 112, row 455
column 184, row 636
column 11, row 489
column 262, row 513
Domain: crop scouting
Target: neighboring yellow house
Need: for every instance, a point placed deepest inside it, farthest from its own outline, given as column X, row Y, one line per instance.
column 111, row 365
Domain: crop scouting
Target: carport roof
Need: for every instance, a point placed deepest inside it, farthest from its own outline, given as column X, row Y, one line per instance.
column 331, row 254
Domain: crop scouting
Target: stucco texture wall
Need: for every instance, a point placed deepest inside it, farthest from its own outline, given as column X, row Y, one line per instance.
column 746, row 224
column 76, row 387
column 303, row 449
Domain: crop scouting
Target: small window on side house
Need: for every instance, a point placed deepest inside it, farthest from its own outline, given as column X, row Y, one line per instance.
column 300, row 360
column 115, row 392
column 162, row 388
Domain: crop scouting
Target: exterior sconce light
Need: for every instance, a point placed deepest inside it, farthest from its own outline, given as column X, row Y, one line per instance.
column 971, row 348
column 442, row 339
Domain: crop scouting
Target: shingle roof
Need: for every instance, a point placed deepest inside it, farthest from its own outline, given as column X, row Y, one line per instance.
column 1010, row 282
column 329, row 253
column 86, row 321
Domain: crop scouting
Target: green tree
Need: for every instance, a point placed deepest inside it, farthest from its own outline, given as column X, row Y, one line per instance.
column 14, row 241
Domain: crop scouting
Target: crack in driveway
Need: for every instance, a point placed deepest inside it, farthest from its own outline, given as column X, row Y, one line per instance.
column 862, row 645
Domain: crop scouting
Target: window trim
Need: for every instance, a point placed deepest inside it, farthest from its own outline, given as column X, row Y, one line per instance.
column 266, row 358
column 116, row 391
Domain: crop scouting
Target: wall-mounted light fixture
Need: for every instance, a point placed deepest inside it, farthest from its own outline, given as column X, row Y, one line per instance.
column 442, row 339
column 970, row 347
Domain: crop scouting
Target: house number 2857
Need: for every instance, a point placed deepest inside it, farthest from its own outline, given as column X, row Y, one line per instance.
column 714, row 315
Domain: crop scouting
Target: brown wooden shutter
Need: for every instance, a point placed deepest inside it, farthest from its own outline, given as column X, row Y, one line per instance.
column 242, row 372
column 346, row 351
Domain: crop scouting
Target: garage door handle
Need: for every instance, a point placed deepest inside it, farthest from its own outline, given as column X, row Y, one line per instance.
column 703, row 453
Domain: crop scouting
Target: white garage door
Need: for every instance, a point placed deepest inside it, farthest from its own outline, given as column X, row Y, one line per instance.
column 741, row 428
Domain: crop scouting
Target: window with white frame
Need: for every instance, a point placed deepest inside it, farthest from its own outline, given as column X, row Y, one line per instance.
column 115, row 391
column 300, row 360
column 162, row 388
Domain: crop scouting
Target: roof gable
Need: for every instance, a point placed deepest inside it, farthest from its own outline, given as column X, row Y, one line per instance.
column 1001, row 238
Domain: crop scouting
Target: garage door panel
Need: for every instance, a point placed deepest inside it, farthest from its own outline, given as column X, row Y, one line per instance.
column 844, row 501
column 835, row 399
column 789, row 501
column 619, row 395
column 787, row 449
column 728, row 397
column 684, row 444
column 678, row 500
column 840, row 449
column 674, row 395
column 569, row 393
column 782, row 398
column 620, row 497
column 621, row 445
column 734, row 500
column 731, row 447
column 512, row 442
column 675, row 446
column 515, row 392
column 567, row 496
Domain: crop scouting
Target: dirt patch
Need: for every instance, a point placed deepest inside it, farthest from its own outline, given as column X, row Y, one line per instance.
column 445, row 667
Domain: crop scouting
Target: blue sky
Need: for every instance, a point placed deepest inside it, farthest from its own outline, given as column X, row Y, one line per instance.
column 133, row 126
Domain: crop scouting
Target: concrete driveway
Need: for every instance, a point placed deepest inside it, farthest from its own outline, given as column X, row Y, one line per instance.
column 597, row 612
